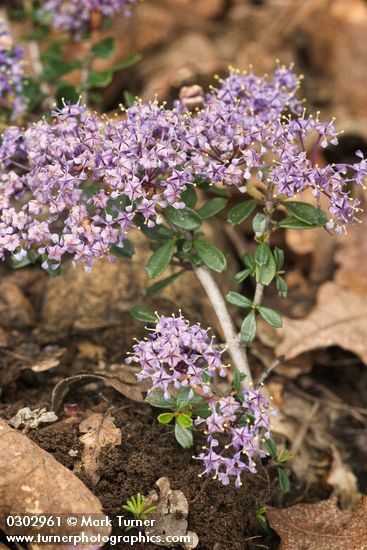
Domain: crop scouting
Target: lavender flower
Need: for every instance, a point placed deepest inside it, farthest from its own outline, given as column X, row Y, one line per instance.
column 177, row 355
column 75, row 16
column 75, row 185
column 235, row 430
column 84, row 179
column 295, row 169
column 241, row 133
column 11, row 74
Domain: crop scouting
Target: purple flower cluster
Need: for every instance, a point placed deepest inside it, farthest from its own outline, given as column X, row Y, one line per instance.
column 241, row 132
column 296, row 170
column 75, row 16
column 228, row 136
column 177, row 355
column 75, row 184
column 11, row 75
column 235, row 431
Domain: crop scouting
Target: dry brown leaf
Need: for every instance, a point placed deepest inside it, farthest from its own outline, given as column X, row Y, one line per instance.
column 352, row 251
column 99, row 431
column 321, row 526
column 33, row 482
column 339, row 319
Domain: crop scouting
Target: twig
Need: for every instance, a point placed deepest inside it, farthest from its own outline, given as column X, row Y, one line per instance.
column 273, row 366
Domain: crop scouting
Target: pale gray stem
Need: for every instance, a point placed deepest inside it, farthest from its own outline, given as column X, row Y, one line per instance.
column 259, row 291
column 235, row 349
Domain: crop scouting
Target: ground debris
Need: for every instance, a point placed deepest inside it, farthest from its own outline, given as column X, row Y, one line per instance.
column 321, row 526
column 170, row 515
column 32, row 419
column 98, row 431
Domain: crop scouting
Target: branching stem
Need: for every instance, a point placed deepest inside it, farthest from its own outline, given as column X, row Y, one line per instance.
column 232, row 339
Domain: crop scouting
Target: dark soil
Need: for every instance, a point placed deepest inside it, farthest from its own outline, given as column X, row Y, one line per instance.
column 223, row 517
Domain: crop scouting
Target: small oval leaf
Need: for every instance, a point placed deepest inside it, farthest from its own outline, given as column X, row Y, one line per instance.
column 241, row 211
column 248, row 328
column 271, row 316
column 165, row 418
column 186, row 218
column 160, row 260
column 183, row 436
column 210, row 255
column 238, row 300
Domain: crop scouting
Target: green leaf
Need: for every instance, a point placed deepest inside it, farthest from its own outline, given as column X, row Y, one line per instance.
column 271, row 447
column 126, row 251
column 182, row 399
column 183, row 436
column 189, row 196
column 129, row 99
column 284, row 482
column 105, row 48
column 242, row 275
column 284, row 455
column 202, row 410
column 160, row 285
column 237, row 379
column 143, row 314
column 212, row 207
column 294, row 223
column 262, row 254
column 160, row 260
column 129, row 62
column 185, row 420
column 265, row 264
column 29, row 259
column 249, row 260
column 248, row 328
column 241, row 211
column 210, row 255
column 238, row 300
column 279, row 257
column 259, row 223
column 99, row 79
column 186, row 218
column 156, row 399
column 159, row 233
column 66, row 94
column 306, row 213
column 282, row 287
column 270, row 316
column 165, row 418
